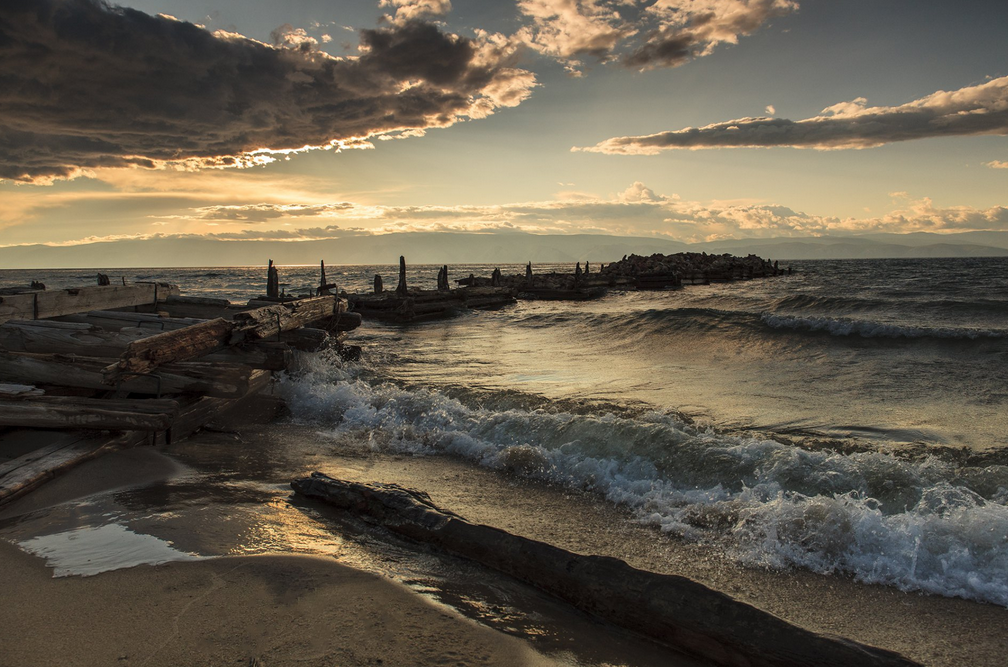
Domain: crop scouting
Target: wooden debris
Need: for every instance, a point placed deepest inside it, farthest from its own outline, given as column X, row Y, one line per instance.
column 674, row 610
column 145, row 354
column 41, row 304
column 227, row 380
column 272, row 281
column 401, row 288
column 102, row 414
column 14, row 390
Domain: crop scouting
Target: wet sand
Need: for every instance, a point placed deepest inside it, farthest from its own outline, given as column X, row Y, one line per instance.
column 224, row 494
column 282, row 610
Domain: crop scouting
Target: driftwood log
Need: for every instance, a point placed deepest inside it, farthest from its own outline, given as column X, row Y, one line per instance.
column 672, row 609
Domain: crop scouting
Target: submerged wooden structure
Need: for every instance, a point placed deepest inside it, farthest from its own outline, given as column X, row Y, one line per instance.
column 91, row 369
column 406, row 305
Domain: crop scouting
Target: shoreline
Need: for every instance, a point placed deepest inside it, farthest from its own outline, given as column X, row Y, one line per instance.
column 215, row 513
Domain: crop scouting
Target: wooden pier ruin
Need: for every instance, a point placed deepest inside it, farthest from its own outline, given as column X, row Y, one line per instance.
column 409, row 304
column 91, row 369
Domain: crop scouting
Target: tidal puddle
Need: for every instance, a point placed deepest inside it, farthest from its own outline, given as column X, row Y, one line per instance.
column 90, row 550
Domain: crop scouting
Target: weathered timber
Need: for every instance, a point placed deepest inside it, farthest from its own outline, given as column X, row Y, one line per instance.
column 263, row 355
column 102, row 414
column 114, row 320
column 53, row 303
column 200, row 307
column 428, row 304
column 66, row 450
column 225, row 380
column 272, row 281
column 270, row 320
column 401, row 288
column 16, row 389
column 672, row 609
column 43, row 336
column 145, row 354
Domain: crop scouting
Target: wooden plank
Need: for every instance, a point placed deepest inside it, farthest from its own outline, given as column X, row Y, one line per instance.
column 227, row 380
column 44, row 336
column 28, row 472
column 37, row 414
column 53, row 303
column 115, row 320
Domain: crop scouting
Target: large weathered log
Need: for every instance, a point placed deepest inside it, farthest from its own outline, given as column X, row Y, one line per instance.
column 226, row 380
column 145, row 354
column 264, row 322
column 672, row 609
column 53, row 303
column 38, row 412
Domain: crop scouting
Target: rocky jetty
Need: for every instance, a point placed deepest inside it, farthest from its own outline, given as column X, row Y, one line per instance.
column 691, row 268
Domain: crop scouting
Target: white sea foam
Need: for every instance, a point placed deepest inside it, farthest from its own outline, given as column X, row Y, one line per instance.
column 925, row 526
column 869, row 329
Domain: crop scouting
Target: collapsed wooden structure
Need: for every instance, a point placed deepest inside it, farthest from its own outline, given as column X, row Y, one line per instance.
column 90, row 369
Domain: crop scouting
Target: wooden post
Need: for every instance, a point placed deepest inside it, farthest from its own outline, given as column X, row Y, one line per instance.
column 401, row 287
column 577, row 275
column 378, row 287
column 528, row 274
column 272, row 281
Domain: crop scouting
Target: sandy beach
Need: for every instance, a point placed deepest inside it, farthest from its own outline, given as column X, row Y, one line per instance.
column 290, row 582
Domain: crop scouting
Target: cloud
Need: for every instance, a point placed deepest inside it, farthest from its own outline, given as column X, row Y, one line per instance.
column 88, row 86
column 636, row 211
column 666, row 33
column 974, row 110
column 770, row 111
column 997, row 164
column 410, row 10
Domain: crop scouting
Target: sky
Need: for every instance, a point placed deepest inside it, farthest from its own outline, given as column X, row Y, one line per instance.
column 687, row 120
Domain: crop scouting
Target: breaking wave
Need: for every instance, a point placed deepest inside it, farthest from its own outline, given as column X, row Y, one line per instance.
column 928, row 525
column 869, row 329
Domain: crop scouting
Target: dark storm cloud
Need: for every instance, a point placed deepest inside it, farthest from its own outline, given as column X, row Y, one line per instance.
column 85, row 85
column 974, row 110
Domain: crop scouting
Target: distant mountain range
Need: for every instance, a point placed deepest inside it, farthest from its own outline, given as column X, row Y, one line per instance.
column 468, row 248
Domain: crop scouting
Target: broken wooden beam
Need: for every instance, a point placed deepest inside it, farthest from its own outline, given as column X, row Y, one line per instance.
column 672, row 609
column 53, row 303
column 145, row 354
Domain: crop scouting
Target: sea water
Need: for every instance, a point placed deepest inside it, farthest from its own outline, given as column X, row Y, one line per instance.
column 851, row 418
